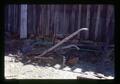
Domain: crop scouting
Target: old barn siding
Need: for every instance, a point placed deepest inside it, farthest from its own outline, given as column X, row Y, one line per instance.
column 23, row 22
column 64, row 19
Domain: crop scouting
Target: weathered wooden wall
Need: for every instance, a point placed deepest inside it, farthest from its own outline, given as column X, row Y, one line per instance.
column 64, row 19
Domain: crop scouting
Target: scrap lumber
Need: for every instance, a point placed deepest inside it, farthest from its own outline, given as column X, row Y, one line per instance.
column 80, row 77
column 64, row 40
column 69, row 46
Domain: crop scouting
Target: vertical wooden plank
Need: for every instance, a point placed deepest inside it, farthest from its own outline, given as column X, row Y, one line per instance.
column 16, row 22
column 67, row 20
column 61, row 19
column 29, row 19
column 43, row 21
column 9, row 17
column 57, row 18
column 73, row 17
column 93, row 16
column 6, row 18
column 18, row 19
column 55, row 21
column 97, row 21
column 48, row 19
column 109, row 13
column 45, row 17
column 66, row 16
column 23, row 25
column 34, row 19
column 41, row 14
column 79, row 18
column 64, row 20
column 52, row 22
column 14, row 18
column 39, row 25
column 112, row 27
column 11, row 20
column 108, row 18
column 87, row 21
column 39, row 20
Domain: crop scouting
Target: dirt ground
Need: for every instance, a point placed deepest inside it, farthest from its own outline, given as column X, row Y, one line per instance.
column 17, row 70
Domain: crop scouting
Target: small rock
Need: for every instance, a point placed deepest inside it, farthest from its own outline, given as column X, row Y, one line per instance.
column 48, row 64
column 57, row 66
column 89, row 73
column 77, row 70
column 100, row 75
column 67, row 68
column 11, row 59
column 10, row 55
column 110, row 77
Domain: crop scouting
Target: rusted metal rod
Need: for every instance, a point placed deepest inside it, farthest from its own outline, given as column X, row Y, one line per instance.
column 64, row 40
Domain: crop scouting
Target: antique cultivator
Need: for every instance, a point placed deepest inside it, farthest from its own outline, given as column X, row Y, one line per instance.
column 30, row 53
column 60, row 53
